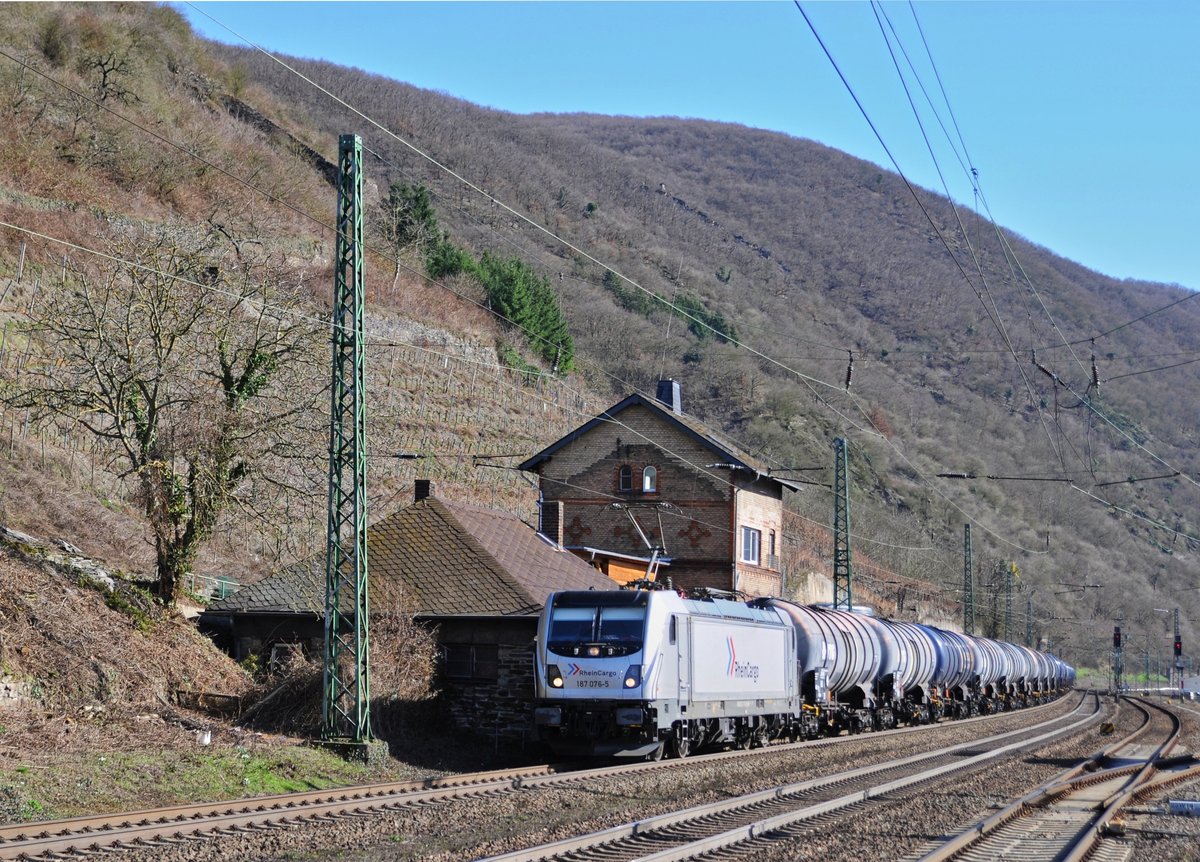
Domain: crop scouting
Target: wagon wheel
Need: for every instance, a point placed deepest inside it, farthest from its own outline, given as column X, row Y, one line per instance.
column 743, row 738
column 681, row 741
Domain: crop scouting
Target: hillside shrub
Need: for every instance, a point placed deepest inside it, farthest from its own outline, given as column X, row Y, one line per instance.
column 526, row 300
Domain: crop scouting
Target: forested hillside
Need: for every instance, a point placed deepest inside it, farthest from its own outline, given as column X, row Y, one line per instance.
column 754, row 267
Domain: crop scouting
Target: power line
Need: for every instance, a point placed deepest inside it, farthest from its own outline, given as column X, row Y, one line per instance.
column 1009, row 254
column 809, row 381
column 846, row 419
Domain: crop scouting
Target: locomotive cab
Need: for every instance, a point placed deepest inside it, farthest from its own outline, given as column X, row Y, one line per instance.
column 642, row 673
column 591, row 648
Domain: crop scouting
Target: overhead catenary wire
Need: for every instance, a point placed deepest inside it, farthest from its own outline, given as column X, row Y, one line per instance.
column 378, row 342
column 844, row 417
column 937, row 231
column 811, row 382
column 974, row 179
column 867, row 429
column 991, row 306
column 1010, row 256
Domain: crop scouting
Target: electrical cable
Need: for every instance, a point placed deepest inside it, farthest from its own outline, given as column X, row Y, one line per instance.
column 535, row 225
column 1008, row 249
column 993, row 311
column 1150, row 370
column 870, row 431
column 810, row 382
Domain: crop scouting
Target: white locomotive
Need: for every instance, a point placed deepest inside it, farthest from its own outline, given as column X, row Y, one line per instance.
column 638, row 673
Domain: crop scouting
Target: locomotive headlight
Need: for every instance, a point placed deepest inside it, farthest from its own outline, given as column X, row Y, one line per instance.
column 554, row 676
column 593, row 651
column 633, row 676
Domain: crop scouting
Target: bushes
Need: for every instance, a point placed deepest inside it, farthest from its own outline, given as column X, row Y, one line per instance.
column 527, row 301
column 514, row 289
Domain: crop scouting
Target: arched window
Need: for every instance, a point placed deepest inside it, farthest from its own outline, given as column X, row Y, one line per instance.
column 649, row 480
column 625, row 480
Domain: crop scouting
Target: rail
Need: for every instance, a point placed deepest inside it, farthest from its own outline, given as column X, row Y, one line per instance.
column 707, row 822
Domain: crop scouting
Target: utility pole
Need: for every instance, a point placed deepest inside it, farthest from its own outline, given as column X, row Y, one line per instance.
column 345, row 709
column 843, row 598
column 1009, row 568
column 968, row 583
column 1118, row 665
column 1178, row 678
column 1029, row 621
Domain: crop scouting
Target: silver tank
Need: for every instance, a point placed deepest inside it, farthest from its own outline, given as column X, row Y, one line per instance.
column 956, row 659
column 1018, row 666
column 991, row 664
column 1041, row 672
column 841, row 650
column 895, row 659
column 921, row 650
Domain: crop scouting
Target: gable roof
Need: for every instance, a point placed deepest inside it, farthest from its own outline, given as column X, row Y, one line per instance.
column 692, row 427
column 440, row 558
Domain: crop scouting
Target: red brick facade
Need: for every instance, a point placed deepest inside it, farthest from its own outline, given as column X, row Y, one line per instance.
column 701, row 498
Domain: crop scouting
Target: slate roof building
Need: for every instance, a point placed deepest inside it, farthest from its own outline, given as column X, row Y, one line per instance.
column 644, row 489
column 478, row 575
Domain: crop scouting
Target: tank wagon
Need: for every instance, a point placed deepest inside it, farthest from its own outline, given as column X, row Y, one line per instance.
column 643, row 673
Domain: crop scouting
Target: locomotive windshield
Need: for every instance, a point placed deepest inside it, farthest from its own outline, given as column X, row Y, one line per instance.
column 596, row 632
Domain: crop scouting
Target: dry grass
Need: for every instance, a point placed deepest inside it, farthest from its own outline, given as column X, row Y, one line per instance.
column 98, row 667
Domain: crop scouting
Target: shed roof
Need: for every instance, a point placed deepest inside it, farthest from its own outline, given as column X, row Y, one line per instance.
column 436, row 557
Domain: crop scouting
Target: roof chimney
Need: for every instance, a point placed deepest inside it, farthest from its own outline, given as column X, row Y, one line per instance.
column 552, row 521
column 668, row 393
column 422, row 489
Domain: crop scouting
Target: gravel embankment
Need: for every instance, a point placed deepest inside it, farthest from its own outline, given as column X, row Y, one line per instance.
column 904, row 828
column 487, row 826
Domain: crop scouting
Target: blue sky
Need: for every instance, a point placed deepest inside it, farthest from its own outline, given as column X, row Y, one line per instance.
column 1081, row 118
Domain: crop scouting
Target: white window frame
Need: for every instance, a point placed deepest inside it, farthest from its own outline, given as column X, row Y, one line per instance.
column 650, row 480
column 751, row 545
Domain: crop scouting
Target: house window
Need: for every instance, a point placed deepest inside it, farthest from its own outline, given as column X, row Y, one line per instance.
column 625, row 480
column 649, row 480
column 471, row 661
column 751, row 545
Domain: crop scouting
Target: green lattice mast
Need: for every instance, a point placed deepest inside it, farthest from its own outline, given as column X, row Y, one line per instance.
column 968, row 583
column 346, row 708
column 843, row 597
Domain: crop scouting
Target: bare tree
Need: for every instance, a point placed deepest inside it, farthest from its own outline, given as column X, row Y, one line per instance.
column 406, row 221
column 201, row 370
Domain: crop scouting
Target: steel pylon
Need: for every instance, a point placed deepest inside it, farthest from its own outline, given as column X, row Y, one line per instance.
column 346, row 708
column 843, row 596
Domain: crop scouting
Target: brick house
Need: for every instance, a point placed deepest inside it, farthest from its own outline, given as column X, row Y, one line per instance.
column 477, row 576
column 644, row 490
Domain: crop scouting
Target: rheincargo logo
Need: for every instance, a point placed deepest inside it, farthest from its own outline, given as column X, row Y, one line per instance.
column 576, row 670
column 739, row 669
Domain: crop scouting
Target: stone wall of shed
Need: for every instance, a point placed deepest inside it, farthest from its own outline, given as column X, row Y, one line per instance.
column 499, row 709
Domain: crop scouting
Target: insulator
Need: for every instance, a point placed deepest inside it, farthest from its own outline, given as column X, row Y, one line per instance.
column 849, row 370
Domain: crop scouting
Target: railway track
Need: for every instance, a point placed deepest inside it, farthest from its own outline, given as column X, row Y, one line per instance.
column 164, row 827
column 203, row 821
column 722, row 826
column 1069, row 817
